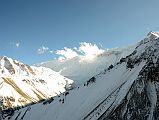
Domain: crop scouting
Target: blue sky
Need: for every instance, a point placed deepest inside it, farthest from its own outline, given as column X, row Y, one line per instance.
column 27, row 25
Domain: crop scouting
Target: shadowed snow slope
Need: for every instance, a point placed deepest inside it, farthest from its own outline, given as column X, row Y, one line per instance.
column 129, row 90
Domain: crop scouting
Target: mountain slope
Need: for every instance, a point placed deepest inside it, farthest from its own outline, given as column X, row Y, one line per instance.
column 141, row 100
column 128, row 90
column 81, row 68
column 80, row 101
column 21, row 84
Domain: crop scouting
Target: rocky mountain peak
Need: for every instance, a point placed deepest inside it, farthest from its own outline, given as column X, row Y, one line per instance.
column 153, row 34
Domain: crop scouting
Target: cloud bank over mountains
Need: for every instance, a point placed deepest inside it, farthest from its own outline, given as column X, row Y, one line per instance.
column 85, row 50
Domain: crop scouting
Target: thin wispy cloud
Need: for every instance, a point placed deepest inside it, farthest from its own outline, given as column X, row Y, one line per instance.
column 51, row 51
column 17, row 44
column 43, row 50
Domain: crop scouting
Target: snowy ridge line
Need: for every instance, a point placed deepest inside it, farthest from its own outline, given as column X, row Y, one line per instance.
column 17, row 116
column 110, row 107
column 25, row 113
column 96, row 108
column 102, row 104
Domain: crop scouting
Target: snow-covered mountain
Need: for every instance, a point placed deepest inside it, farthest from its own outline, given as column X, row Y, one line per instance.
column 21, row 84
column 81, row 68
column 127, row 90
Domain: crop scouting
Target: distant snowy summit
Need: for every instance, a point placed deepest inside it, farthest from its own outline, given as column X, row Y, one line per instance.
column 21, row 84
column 152, row 33
column 150, row 36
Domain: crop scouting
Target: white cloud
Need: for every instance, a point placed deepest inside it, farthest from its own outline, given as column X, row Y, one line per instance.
column 42, row 50
column 61, row 58
column 51, row 51
column 66, row 53
column 89, row 49
column 17, row 44
column 85, row 50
